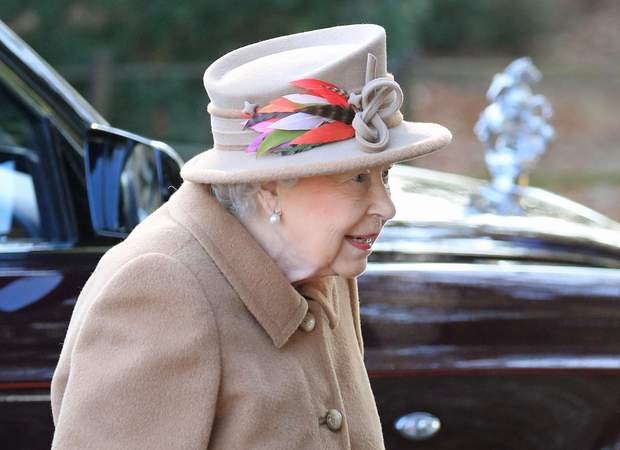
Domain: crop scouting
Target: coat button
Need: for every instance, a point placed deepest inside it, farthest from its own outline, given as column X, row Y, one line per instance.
column 333, row 419
column 308, row 323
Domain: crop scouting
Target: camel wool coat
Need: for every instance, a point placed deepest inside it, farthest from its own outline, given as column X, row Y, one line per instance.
column 187, row 335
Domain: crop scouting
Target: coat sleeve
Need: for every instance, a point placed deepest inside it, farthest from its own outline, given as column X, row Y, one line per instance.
column 145, row 363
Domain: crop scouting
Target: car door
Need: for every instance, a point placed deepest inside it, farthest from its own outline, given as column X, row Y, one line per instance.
column 506, row 356
column 46, row 255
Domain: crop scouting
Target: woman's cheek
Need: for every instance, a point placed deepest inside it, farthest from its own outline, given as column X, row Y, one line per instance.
column 321, row 244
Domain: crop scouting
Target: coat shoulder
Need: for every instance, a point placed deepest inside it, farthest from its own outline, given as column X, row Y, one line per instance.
column 158, row 233
column 152, row 326
column 159, row 244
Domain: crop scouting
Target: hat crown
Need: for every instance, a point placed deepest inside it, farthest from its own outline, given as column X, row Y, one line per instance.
column 260, row 72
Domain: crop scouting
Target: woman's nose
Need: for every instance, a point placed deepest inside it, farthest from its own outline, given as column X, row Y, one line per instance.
column 382, row 203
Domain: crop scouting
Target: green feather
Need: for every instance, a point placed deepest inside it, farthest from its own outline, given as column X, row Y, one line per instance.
column 277, row 137
column 294, row 149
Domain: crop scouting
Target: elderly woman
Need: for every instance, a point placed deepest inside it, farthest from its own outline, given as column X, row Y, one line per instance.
column 229, row 318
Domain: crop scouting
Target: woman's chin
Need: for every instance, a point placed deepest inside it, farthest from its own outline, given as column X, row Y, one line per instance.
column 353, row 269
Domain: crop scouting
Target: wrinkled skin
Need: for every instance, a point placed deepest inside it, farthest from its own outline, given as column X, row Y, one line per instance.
column 317, row 213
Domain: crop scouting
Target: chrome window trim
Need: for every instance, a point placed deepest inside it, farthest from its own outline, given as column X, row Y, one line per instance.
column 502, row 267
column 50, row 247
column 40, row 106
column 41, row 68
column 485, row 247
column 25, row 247
column 15, row 398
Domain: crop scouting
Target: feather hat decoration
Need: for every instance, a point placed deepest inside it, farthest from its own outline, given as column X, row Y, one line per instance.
column 298, row 122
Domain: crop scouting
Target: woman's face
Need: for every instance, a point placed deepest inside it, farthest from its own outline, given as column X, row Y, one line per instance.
column 330, row 222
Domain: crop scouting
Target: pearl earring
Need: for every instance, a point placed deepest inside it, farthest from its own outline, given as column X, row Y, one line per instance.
column 275, row 217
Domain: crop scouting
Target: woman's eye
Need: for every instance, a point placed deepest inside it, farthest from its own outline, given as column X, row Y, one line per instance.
column 360, row 177
column 385, row 175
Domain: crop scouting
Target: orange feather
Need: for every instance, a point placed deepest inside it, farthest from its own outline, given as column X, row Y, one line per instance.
column 328, row 132
column 328, row 91
column 280, row 104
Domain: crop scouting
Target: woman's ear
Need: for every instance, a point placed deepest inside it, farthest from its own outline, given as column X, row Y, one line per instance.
column 267, row 196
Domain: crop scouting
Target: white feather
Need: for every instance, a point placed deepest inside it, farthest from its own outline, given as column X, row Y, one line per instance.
column 298, row 121
column 305, row 99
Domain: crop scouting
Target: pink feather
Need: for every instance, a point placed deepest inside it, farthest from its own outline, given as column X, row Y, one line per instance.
column 253, row 146
column 298, row 121
column 263, row 126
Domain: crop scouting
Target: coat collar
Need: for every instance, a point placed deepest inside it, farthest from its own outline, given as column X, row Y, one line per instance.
column 262, row 286
column 323, row 290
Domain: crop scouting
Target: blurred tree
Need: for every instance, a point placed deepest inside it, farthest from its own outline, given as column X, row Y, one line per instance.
column 484, row 25
column 157, row 30
column 153, row 53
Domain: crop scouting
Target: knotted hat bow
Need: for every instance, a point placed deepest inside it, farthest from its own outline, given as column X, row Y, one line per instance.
column 379, row 101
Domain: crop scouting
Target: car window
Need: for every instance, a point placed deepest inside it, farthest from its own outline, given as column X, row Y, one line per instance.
column 20, row 217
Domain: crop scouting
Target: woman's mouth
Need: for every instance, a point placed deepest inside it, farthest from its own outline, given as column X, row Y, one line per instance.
column 362, row 242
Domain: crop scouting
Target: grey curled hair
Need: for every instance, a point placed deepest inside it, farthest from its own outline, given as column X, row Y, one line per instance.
column 240, row 198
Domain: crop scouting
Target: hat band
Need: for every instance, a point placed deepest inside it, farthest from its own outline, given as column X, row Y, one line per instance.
column 228, row 133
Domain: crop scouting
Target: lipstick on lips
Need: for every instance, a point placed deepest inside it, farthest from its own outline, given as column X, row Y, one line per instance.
column 363, row 241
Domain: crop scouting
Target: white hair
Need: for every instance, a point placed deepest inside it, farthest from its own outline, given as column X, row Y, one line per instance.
column 240, row 199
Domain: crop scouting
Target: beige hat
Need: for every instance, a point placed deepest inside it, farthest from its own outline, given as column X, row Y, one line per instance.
column 312, row 103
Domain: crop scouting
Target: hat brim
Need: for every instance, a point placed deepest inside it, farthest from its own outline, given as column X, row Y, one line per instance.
column 408, row 140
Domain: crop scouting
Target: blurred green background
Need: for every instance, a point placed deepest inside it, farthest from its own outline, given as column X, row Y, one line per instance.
column 141, row 64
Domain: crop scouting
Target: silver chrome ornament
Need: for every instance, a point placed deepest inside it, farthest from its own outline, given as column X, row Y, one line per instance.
column 514, row 131
column 417, row 426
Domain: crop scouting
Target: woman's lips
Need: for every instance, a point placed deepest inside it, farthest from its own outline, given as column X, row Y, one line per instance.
column 364, row 242
column 357, row 244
